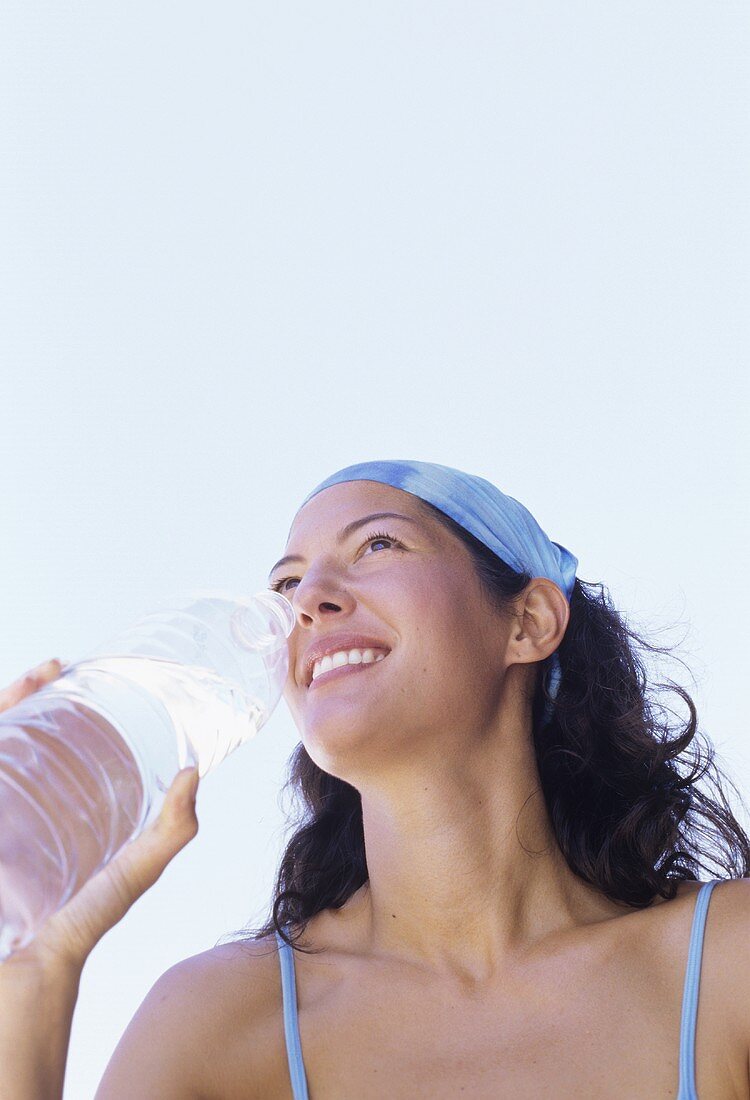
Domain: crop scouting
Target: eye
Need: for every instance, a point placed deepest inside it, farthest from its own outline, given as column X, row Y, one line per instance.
column 379, row 536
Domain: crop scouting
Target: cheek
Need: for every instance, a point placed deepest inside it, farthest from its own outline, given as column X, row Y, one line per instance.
column 463, row 658
column 443, row 649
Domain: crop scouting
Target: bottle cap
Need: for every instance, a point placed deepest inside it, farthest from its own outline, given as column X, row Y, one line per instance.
column 264, row 622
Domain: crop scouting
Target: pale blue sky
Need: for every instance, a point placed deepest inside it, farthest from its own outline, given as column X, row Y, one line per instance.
column 246, row 245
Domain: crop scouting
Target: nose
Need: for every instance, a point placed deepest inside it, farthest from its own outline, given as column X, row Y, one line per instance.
column 319, row 595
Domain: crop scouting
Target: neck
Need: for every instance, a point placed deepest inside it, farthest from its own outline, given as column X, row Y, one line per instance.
column 465, row 873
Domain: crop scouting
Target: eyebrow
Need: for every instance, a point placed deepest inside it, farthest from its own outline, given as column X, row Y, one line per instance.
column 345, row 532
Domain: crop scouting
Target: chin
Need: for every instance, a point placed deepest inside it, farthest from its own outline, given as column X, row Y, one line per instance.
column 340, row 749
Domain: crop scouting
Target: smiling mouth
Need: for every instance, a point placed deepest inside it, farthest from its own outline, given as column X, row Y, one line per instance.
column 343, row 670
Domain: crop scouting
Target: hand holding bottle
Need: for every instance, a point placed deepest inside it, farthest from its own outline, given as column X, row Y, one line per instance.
column 70, row 934
column 85, row 762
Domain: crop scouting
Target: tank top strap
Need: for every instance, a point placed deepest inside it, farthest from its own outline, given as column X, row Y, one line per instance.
column 687, row 1089
column 291, row 1023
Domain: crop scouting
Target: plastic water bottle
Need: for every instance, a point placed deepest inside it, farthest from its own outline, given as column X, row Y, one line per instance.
column 86, row 761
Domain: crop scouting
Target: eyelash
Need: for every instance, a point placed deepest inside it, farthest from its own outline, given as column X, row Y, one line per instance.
column 375, row 537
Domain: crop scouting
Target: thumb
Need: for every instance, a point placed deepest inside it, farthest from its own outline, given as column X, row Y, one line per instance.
column 74, row 930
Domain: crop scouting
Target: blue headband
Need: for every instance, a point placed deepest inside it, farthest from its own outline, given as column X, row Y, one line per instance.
column 499, row 522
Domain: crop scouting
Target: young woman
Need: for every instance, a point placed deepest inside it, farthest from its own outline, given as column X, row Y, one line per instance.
column 494, row 889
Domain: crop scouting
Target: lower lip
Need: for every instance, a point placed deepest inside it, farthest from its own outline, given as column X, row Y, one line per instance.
column 342, row 670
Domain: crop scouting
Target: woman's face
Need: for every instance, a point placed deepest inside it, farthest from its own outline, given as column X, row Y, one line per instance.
column 411, row 593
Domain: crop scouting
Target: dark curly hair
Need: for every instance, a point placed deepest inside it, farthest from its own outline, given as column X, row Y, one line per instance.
column 620, row 782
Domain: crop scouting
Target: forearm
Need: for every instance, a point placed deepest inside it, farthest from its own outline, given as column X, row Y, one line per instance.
column 36, row 1014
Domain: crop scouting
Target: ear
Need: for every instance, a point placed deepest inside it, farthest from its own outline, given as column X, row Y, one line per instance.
column 541, row 619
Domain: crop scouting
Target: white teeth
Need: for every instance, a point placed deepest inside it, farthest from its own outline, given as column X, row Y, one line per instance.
column 342, row 657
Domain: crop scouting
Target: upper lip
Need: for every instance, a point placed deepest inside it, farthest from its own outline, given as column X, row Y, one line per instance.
column 335, row 642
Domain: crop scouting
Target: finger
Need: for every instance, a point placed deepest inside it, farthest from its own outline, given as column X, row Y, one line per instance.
column 29, row 683
column 48, row 671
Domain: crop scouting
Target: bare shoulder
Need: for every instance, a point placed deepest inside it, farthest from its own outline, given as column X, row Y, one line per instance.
column 728, row 940
column 236, row 977
column 204, row 1018
column 724, row 1004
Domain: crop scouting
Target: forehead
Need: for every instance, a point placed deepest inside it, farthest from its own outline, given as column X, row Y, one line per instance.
column 338, row 505
column 334, row 513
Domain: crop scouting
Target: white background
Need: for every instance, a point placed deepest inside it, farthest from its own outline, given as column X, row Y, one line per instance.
column 244, row 245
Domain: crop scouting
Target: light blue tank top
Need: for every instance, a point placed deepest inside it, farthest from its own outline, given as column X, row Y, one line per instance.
column 686, row 1090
